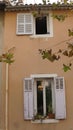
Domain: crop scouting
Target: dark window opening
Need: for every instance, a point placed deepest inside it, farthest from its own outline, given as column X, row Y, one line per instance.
column 39, row 98
column 48, row 99
column 41, row 25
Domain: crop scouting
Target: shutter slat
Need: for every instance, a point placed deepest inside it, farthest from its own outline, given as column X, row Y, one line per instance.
column 60, row 106
column 28, row 98
column 20, row 29
column 28, row 18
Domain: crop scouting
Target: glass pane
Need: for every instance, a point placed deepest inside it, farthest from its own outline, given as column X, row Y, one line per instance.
column 48, row 98
column 41, row 25
column 39, row 98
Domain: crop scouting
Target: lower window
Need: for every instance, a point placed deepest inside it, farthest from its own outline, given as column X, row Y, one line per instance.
column 44, row 97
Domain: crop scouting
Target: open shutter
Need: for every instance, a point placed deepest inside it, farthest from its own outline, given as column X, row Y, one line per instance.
column 24, row 24
column 60, row 106
column 28, row 24
column 20, row 24
column 28, row 98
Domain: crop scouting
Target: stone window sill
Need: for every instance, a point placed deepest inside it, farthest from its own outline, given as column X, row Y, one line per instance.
column 45, row 121
column 42, row 36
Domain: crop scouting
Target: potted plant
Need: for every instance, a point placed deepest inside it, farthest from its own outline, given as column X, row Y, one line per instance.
column 51, row 115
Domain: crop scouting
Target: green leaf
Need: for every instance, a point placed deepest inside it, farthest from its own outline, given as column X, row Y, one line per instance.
column 66, row 67
column 60, row 17
column 65, row 1
column 70, row 32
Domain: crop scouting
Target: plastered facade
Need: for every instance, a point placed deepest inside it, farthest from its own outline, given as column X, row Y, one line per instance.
column 28, row 61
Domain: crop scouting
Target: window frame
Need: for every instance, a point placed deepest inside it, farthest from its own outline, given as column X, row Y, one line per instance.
column 44, row 94
column 49, row 27
column 41, row 77
column 47, row 24
column 60, row 111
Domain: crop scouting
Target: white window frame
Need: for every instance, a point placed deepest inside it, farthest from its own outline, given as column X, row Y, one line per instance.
column 49, row 27
column 44, row 100
column 58, row 93
column 42, row 77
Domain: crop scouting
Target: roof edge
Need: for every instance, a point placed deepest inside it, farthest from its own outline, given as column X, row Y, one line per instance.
column 35, row 7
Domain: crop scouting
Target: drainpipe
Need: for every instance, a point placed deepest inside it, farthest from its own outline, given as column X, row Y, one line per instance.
column 6, row 91
column 6, row 97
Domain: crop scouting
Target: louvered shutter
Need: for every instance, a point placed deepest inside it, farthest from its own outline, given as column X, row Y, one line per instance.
column 28, row 24
column 24, row 24
column 20, row 24
column 28, row 98
column 60, row 106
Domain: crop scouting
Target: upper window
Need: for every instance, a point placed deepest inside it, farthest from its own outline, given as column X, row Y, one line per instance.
column 41, row 25
column 38, row 26
column 44, row 97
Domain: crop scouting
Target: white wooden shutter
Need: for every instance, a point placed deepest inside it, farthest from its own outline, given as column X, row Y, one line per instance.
column 20, row 24
column 28, row 24
column 60, row 106
column 24, row 24
column 28, row 98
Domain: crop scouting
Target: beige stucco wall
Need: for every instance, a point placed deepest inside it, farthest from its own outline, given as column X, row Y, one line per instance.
column 28, row 61
column 1, row 48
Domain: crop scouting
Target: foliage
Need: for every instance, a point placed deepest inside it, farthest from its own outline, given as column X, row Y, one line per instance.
column 45, row 2
column 47, row 54
column 68, row 51
column 38, row 116
column 70, row 32
column 60, row 17
column 7, row 57
column 66, row 67
column 35, row 13
column 50, row 108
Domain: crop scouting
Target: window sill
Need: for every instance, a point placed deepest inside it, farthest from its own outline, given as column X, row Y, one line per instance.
column 45, row 121
column 41, row 36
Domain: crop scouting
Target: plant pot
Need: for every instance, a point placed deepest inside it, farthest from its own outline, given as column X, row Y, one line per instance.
column 51, row 115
